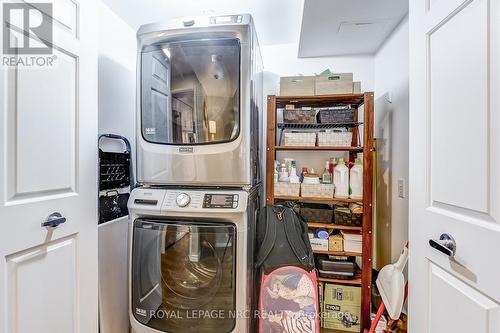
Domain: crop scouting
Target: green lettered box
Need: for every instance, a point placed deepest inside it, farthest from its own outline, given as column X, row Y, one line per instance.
column 341, row 307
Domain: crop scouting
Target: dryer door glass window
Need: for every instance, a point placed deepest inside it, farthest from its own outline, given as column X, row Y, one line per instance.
column 183, row 276
column 190, row 92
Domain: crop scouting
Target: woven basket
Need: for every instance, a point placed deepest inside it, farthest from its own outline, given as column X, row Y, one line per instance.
column 299, row 116
column 317, row 190
column 320, row 213
column 299, row 138
column 336, row 115
column 286, row 189
column 340, row 139
column 343, row 216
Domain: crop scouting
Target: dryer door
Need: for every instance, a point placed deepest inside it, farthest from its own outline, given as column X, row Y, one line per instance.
column 183, row 275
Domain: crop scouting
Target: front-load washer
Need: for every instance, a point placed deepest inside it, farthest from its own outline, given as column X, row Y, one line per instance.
column 191, row 260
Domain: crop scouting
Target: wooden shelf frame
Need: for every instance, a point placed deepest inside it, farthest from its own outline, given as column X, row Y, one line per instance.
column 319, row 148
column 333, row 226
column 367, row 147
column 316, row 200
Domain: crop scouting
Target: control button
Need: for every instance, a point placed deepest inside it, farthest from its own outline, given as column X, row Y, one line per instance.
column 183, row 200
column 235, row 204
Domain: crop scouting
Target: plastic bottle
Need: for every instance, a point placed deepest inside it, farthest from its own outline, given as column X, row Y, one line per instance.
column 341, row 179
column 276, row 171
column 356, row 180
column 293, row 176
column 326, row 178
column 331, row 166
column 283, row 175
column 302, row 174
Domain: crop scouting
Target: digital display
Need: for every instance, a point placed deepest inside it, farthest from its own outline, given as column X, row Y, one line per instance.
column 220, row 199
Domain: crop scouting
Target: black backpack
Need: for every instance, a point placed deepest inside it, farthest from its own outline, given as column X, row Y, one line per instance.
column 282, row 239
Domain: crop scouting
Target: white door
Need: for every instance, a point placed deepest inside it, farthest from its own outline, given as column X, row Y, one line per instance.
column 48, row 158
column 455, row 165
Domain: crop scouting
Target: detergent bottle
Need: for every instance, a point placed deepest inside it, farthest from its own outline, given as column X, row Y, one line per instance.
column 341, row 179
column 356, row 180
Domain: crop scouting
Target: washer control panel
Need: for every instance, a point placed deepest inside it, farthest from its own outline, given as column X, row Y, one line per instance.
column 220, row 200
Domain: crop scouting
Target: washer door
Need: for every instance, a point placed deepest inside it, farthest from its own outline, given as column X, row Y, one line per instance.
column 183, row 275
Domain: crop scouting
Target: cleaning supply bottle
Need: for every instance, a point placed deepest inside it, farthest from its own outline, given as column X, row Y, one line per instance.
column 341, row 179
column 293, row 173
column 276, row 171
column 326, row 178
column 283, row 175
column 303, row 173
column 331, row 166
column 356, row 180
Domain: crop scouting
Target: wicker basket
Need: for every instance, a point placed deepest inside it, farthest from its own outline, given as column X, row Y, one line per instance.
column 317, row 190
column 299, row 138
column 340, row 139
column 320, row 213
column 344, row 216
column 286, row 189
column 336, row 115
column 336, row 243
column 299, row 116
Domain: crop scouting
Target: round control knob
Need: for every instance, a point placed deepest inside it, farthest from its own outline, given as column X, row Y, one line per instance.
column 183, row 200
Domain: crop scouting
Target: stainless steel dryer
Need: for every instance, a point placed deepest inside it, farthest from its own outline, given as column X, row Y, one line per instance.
column 199, row 100
column 191, row 260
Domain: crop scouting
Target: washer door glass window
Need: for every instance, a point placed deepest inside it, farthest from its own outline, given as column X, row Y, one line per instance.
column 183, row 276
column 190, row 92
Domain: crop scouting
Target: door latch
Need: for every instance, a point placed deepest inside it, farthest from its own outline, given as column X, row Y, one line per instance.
column 53, row 220
column 446, row 244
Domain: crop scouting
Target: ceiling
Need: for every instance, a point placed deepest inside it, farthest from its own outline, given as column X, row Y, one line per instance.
column 342, row 27
column 276, row 21
column 319, row 27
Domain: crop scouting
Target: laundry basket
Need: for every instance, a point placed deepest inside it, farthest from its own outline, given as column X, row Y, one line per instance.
column 334, row 138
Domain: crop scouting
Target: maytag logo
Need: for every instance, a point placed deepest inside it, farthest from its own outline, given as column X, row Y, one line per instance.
column 141, row 312
column 185, row 149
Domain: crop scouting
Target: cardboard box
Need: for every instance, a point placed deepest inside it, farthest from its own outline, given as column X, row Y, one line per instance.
column 318, row 244
column 352, row 241
column 335, row 83
column 341, row 307
column 297, row 86
column 356, row 87
column 336, row 243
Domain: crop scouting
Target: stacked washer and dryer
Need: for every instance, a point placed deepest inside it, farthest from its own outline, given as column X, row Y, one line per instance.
column 199, row 129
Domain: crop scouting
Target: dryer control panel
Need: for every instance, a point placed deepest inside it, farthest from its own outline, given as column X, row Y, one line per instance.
column 220, row 200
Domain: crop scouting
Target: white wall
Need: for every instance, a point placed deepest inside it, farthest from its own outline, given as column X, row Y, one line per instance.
column 117, row 64
column 282, row 60
column 116, row 71
column 391, row 129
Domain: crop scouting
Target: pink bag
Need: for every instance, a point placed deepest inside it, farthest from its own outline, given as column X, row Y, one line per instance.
column 288, row 301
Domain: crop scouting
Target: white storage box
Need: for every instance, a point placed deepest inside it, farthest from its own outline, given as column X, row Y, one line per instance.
column 299, row 138
column 286, row 189
column 297, row 86
column 336, row 83
column 352, row 241
column 317, row 190
column 356, row 87
column 318, row 244
column 340, row 139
